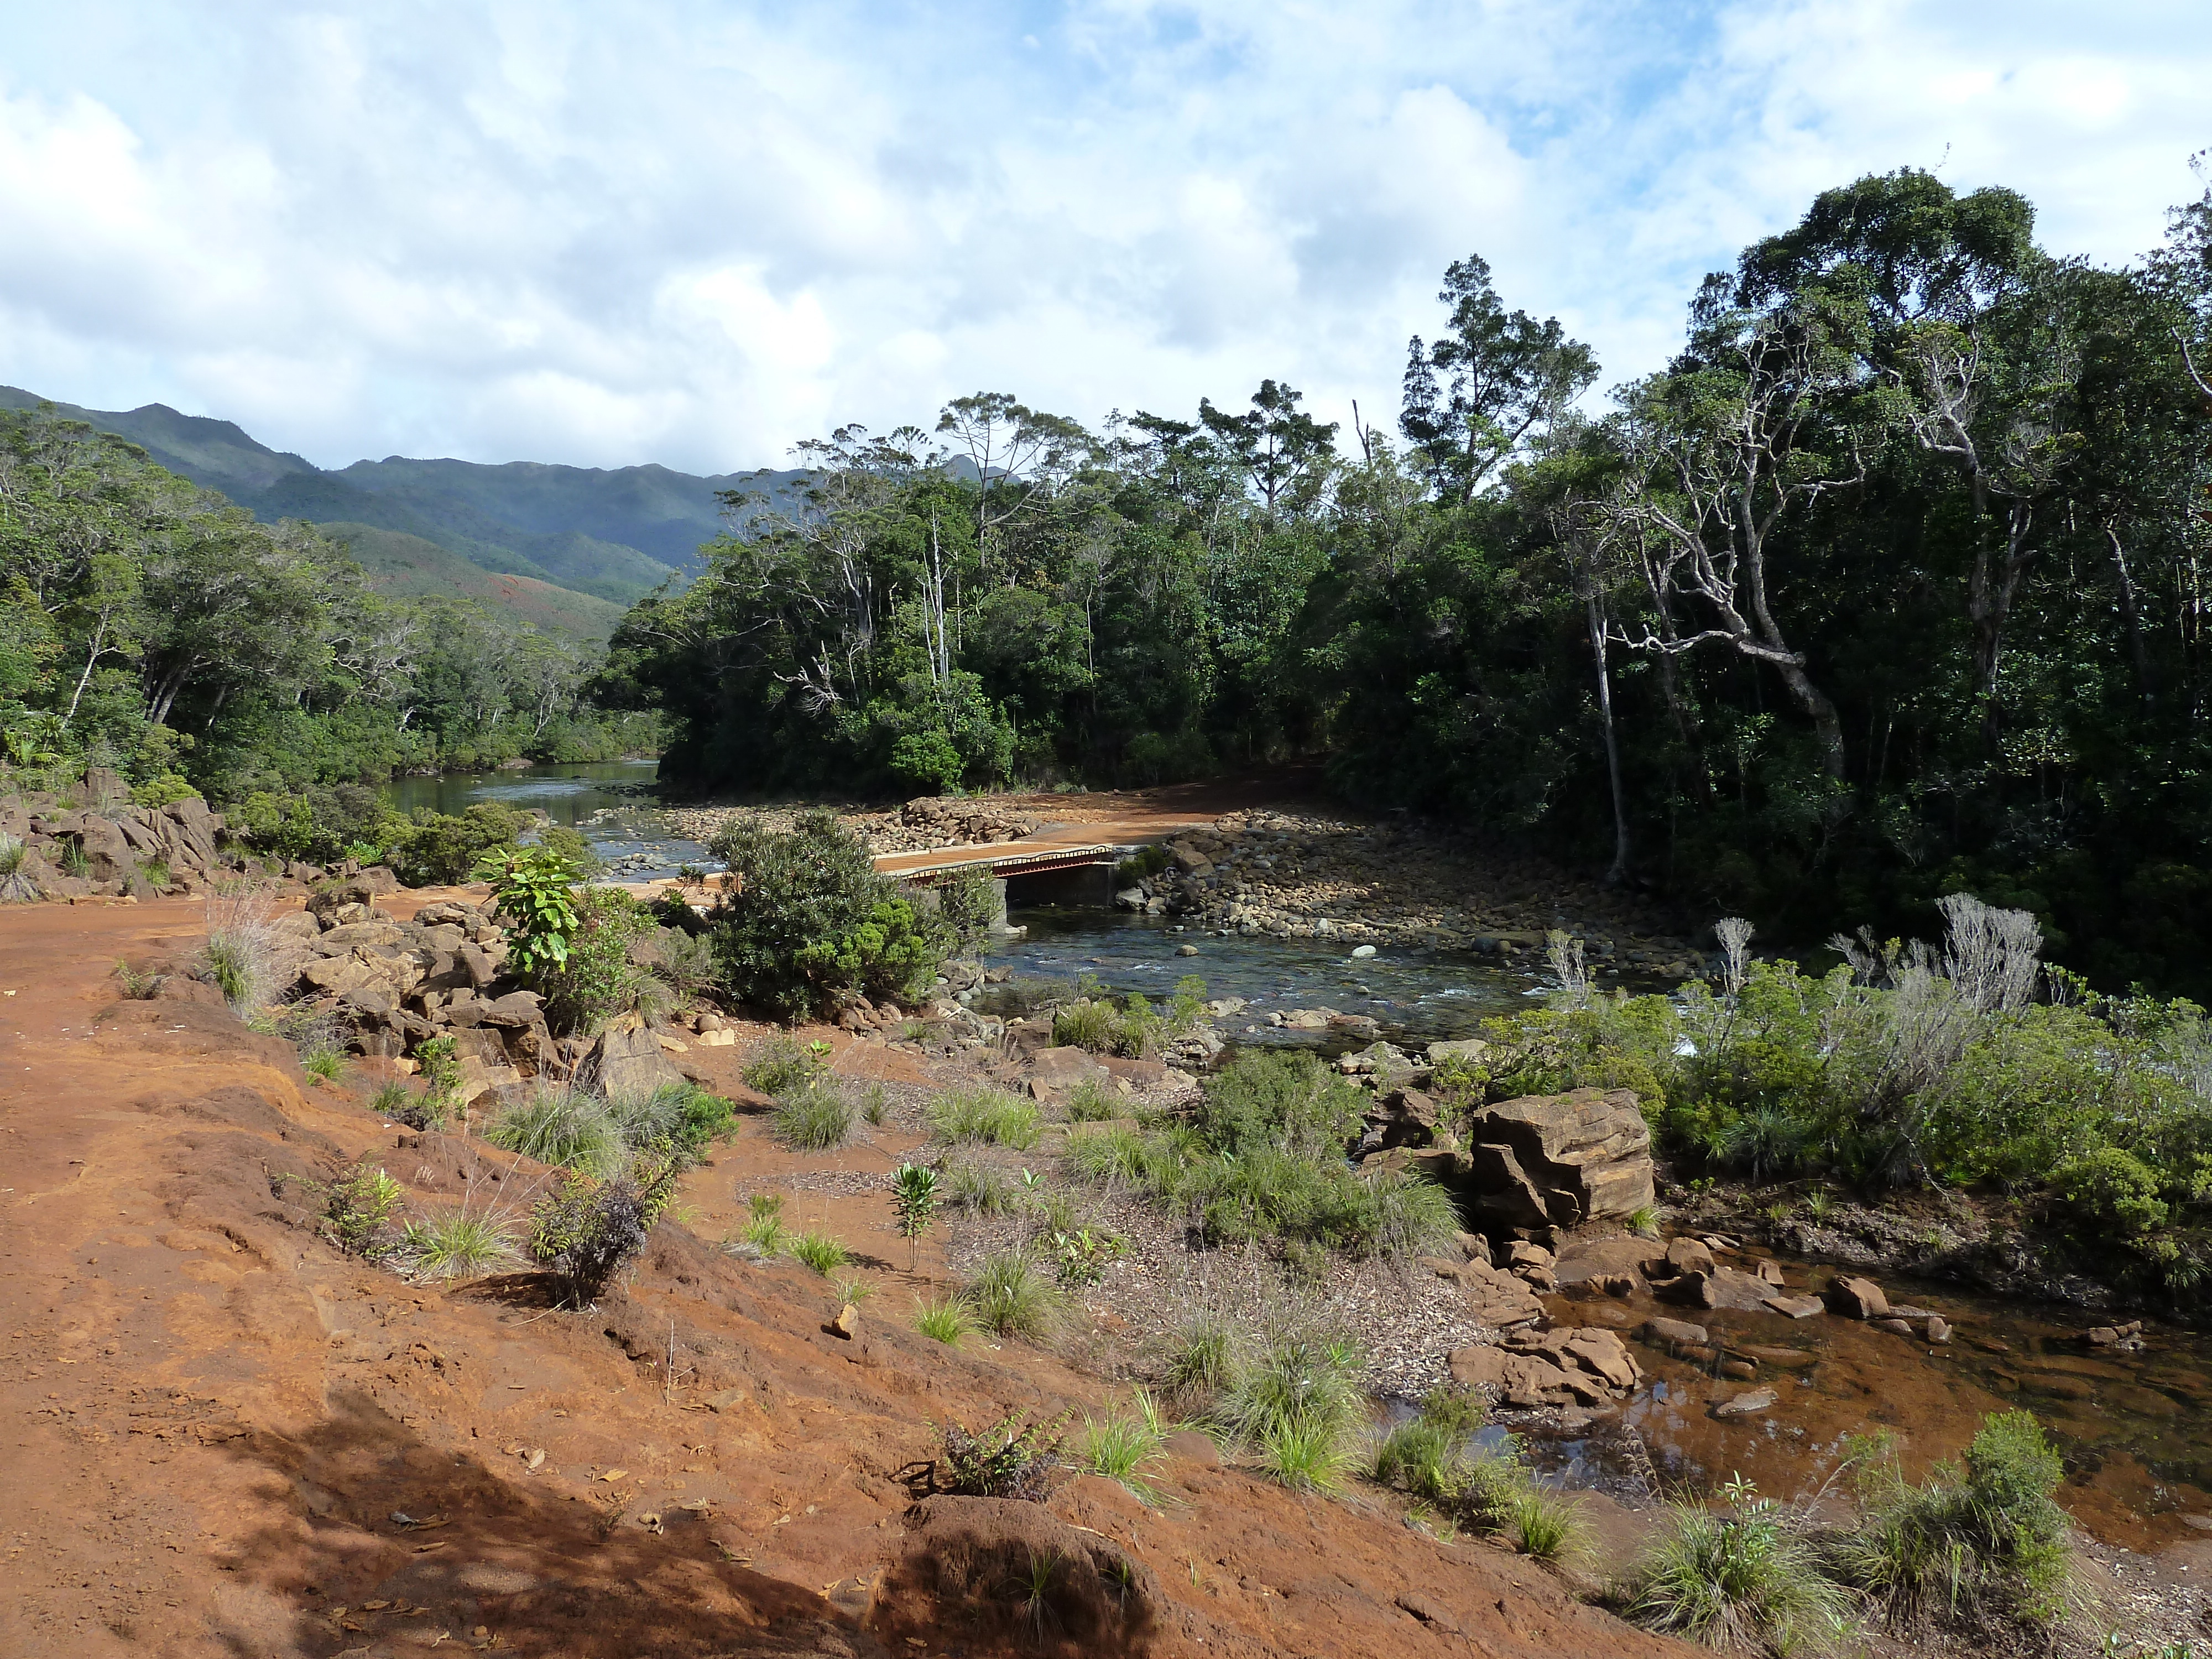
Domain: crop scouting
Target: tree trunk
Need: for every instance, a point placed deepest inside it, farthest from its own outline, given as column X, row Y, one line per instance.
column 1595, row 615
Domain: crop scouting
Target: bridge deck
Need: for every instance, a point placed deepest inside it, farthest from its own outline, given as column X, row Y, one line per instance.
column 1034, row 855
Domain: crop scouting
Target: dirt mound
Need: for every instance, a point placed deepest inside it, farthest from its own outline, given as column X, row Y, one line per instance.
column 233, row 1438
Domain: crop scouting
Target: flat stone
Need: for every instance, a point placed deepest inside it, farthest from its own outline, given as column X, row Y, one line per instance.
column 1665, row 1331
column 1745, row 1404
column 1795, row 1307
column 1856, row 1298
column 1689, row 1255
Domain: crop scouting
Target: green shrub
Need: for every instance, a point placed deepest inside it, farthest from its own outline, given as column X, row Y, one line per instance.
column 813, row 1116
column 358, row 1206
column 2112, row 1188
column 1095, row 1025
column 812, row 918
column 326, row 1065
column 1283, row 1101
column 595, row 981
column 1743, row 1579
column 988, row 1116
column 681, row 1117
column 1984, row 1537
column 586, row 1230
column 1010, row 1298
column 1427, row 1459
column 164, row 791
column 819, row 1251
column 439, row 850
column 391, row 1100
column 1012, row 1458
column 562, row 1126
column 968, row 900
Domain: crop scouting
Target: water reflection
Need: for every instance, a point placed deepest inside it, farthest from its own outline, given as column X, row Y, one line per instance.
column 613, row 803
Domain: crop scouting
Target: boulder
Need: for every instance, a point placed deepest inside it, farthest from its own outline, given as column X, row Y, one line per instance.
column 1689, row 1255
column 1056, row 1073
column 1493, row 1297
column 1856, row 1298
column 1403, row 1117
column 1572, row 1158
column 1670, row 1332
column 631, row 1063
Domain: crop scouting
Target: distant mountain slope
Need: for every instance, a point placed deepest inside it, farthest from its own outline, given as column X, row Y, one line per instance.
column 407, row 567
column 615, row 534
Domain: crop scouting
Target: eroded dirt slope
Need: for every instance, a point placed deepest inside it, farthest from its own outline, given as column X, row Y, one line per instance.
column 217, row 1418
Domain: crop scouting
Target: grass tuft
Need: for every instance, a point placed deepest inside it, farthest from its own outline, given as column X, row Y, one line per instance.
column 565, row 1128
column 1010, row 1297
column 1743, row 1579
column 457, row 1245
column 813, row 1116
column 944, row 1319
column 1123, row 1446
column 990, row 1116
column 819, row 1251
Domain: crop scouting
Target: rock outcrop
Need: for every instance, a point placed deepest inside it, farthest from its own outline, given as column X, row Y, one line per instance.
column 1560, row 1160
column 1587, row 1367
column 116, row 849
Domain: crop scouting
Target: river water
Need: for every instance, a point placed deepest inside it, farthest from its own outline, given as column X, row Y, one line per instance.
column 614, row 803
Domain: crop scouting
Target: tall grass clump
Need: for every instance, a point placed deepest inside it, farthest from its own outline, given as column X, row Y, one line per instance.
column 1977, row 1538
column 819, row 1251
column 240, row 956
column 16, row 886
column 565, row 1128
column 981, row 1190
column 1123, row 1446
column 944, row 1319
column 778, row 1064
column 457, row 1245
column 1202, row 1362
column 1298, row 1410
column 990, row 1116
column 813, row 1116
column 1010, row 1297
column 1744, row 1579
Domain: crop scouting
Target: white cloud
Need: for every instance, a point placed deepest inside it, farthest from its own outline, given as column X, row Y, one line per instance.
column 695, row 233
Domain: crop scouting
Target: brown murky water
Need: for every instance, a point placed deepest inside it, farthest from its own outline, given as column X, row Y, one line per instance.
column 2136, row 1429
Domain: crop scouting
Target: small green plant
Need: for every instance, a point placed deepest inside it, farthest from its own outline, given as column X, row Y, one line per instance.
column 875, row 1106
column 764, row 1234
column 73, row 861
column 533, row 888
column 778, row 1065
column 1122, row 1447
column 1306, row 1456
column 851, row 1287
column 391, row 1100
column 1012, row 1458
column 1743, row 1579
column 137, row 987
column 988, row 1116
column 819, row 1251
column 813, row 1116
column 1818, row 1204
column 1010, row 1298
column 324, row 1065
column 456, row 1245
column 1983, row 1536
column 441, row 1063
column 1081, row 1255
column 156, row 873
column 943, row 1319
column 914, row 1199
column 1033, row 1590
column 358, row 1204
column 1644, row 1221
column 981, row 1189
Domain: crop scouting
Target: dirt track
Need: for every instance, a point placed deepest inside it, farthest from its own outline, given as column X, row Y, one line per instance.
column 217, row 1415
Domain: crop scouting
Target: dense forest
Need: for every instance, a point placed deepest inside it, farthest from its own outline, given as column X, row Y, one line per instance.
column 152, row 628
column 1889, row 585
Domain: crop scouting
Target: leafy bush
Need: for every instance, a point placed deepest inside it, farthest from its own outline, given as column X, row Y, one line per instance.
column 1010, row 1297
column 914, row 1199
column 968, row 900
column 1745, row 1578
column 812, row 918
column 1012, row 1458
column 813, row 1116
column 562, row 1126
column 585, row 1230
column 988, row 1115
column 438, row 849
column 2111, row 1188
column 164, row 791
column 1984, row 1537
column 358, row 1206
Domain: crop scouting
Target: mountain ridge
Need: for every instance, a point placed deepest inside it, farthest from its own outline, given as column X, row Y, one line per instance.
column 609, row 534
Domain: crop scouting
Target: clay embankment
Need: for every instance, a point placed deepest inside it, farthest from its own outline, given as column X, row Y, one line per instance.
column 220, row 1419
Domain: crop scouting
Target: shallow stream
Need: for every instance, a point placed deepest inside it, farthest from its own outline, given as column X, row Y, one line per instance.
column 2134, row 1428
column 612, row 802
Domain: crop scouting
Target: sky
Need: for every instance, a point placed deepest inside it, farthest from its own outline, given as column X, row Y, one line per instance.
column 697, row 233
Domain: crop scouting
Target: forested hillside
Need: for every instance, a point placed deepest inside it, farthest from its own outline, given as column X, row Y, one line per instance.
column 153, row 628
column 613, row 534
column 1890, row 585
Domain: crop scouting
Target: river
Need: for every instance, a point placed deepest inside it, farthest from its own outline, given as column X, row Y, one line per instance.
column 614, row 803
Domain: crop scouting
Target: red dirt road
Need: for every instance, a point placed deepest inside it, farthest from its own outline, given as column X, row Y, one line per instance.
column 214, row 1418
